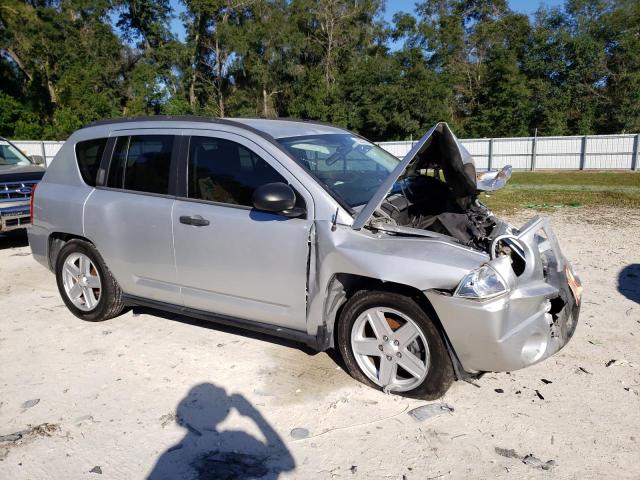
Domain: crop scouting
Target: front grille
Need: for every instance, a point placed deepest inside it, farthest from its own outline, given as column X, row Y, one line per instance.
column 14, row 204
column 12, row 191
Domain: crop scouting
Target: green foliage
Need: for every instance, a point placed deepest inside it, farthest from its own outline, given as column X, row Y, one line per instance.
column 16, row 121
column 476, row 64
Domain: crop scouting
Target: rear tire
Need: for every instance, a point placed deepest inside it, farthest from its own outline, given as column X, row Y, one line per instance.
column 85, row 283
column 380, row 352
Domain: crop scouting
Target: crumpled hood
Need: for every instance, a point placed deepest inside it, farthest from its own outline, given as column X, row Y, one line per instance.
column 440, row 148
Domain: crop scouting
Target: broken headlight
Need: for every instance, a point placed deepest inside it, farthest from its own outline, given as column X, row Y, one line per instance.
column 481, row 283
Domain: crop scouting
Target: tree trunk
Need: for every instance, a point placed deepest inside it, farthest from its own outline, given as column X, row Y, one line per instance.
column 328, row 63
column 192, row 90
column 195, row 60
column 18, row 62
column 50, row 88
column 193, row 77
column 220, row 104
column 220, row 60
column 265, row 102
column 52, row 92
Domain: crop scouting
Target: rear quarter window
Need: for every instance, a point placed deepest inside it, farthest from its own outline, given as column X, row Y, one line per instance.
column 141, row 163
column 88, row 154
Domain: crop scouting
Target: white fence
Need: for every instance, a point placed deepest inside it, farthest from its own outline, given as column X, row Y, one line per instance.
column 45, row 149
column 601, row 152
column 591, row 152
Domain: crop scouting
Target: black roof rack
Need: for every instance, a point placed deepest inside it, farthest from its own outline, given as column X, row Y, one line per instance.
column 195, row 118
column 184, row 118
column 159, row 118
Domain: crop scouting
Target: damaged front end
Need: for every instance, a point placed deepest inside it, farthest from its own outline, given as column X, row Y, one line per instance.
column 516, row 309
column 534, row 314
column 435, row 188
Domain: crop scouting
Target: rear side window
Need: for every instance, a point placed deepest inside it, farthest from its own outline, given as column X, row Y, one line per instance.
column 88, row 154
column 224, row 171
column 142, row 163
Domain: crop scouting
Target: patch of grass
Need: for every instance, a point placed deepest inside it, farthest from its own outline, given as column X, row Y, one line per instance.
column 622, row 178
column 542, row 190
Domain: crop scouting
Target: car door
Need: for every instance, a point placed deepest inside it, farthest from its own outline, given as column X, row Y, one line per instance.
column 128, row 215
column 230, row 258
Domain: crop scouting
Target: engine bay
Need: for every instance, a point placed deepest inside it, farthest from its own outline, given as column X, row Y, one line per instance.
column 437, row 192
column 426, row 202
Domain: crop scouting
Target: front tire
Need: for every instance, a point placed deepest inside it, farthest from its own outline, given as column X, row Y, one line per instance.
column 85, row 283
column 388, row 342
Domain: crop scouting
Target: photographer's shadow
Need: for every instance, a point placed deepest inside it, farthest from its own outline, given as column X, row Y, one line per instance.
column 629, row 282
column 206, row 453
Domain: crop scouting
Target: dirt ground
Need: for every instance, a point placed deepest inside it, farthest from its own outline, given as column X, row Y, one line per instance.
column 146, row 394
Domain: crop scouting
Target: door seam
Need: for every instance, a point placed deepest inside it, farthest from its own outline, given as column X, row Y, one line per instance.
column 84, row 207
column 173, row 248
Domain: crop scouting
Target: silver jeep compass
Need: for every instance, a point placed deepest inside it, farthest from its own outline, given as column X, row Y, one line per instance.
column 309, row 232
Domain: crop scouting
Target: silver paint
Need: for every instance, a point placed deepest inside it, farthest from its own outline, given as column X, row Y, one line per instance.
column 294, row 272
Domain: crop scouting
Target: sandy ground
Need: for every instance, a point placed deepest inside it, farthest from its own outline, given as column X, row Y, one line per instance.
column 146, row 395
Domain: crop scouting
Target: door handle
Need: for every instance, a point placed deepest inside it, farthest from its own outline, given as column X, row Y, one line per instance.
column 195, row 220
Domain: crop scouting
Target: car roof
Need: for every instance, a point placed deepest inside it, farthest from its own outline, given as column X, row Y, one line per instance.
column 282, row 128
column 274, row 128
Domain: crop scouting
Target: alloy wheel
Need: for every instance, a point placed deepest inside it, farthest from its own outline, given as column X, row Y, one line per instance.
column 81, row 281
column 390, row 349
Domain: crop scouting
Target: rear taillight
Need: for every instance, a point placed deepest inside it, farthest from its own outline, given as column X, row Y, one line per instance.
column 33, row 195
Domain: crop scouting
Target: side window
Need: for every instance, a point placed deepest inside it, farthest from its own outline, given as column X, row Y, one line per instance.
column 224, row 171
column 116, row 166
column 88, row 155
column 141, row 163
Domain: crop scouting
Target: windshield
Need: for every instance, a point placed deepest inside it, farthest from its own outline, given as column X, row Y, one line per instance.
column 10, row 155
column 349, row 166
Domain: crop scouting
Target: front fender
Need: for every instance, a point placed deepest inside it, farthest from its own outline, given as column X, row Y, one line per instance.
column 421, row 263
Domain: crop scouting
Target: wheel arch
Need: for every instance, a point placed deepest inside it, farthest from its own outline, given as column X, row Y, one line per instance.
column 57, row 240
column 344, row 285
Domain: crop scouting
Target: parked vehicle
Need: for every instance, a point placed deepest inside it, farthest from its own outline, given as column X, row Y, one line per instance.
column 18, row 176
column 309, row 232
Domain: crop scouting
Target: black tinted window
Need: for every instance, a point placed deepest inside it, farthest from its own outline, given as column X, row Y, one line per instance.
column 89, row 154
column 141, row 163
column 224, row 171
column 116, row 166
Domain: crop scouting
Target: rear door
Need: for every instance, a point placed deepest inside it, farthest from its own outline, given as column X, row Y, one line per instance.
column 128, row 216
column 230, row 258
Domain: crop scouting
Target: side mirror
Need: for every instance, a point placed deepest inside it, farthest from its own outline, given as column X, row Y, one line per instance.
column 37, row 159
column 493, row 180
column 277, row 198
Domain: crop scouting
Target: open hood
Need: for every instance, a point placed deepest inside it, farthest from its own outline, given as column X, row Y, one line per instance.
column 438, row 148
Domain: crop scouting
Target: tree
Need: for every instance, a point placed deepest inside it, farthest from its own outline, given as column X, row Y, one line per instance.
column 65, row 57
column 621, row 34
column 213, row 29
column 151, row 53
column 333, row 39
column 473, row 63
column 546, row 65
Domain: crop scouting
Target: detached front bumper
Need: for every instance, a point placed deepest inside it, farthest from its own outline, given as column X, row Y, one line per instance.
column 531, row 322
